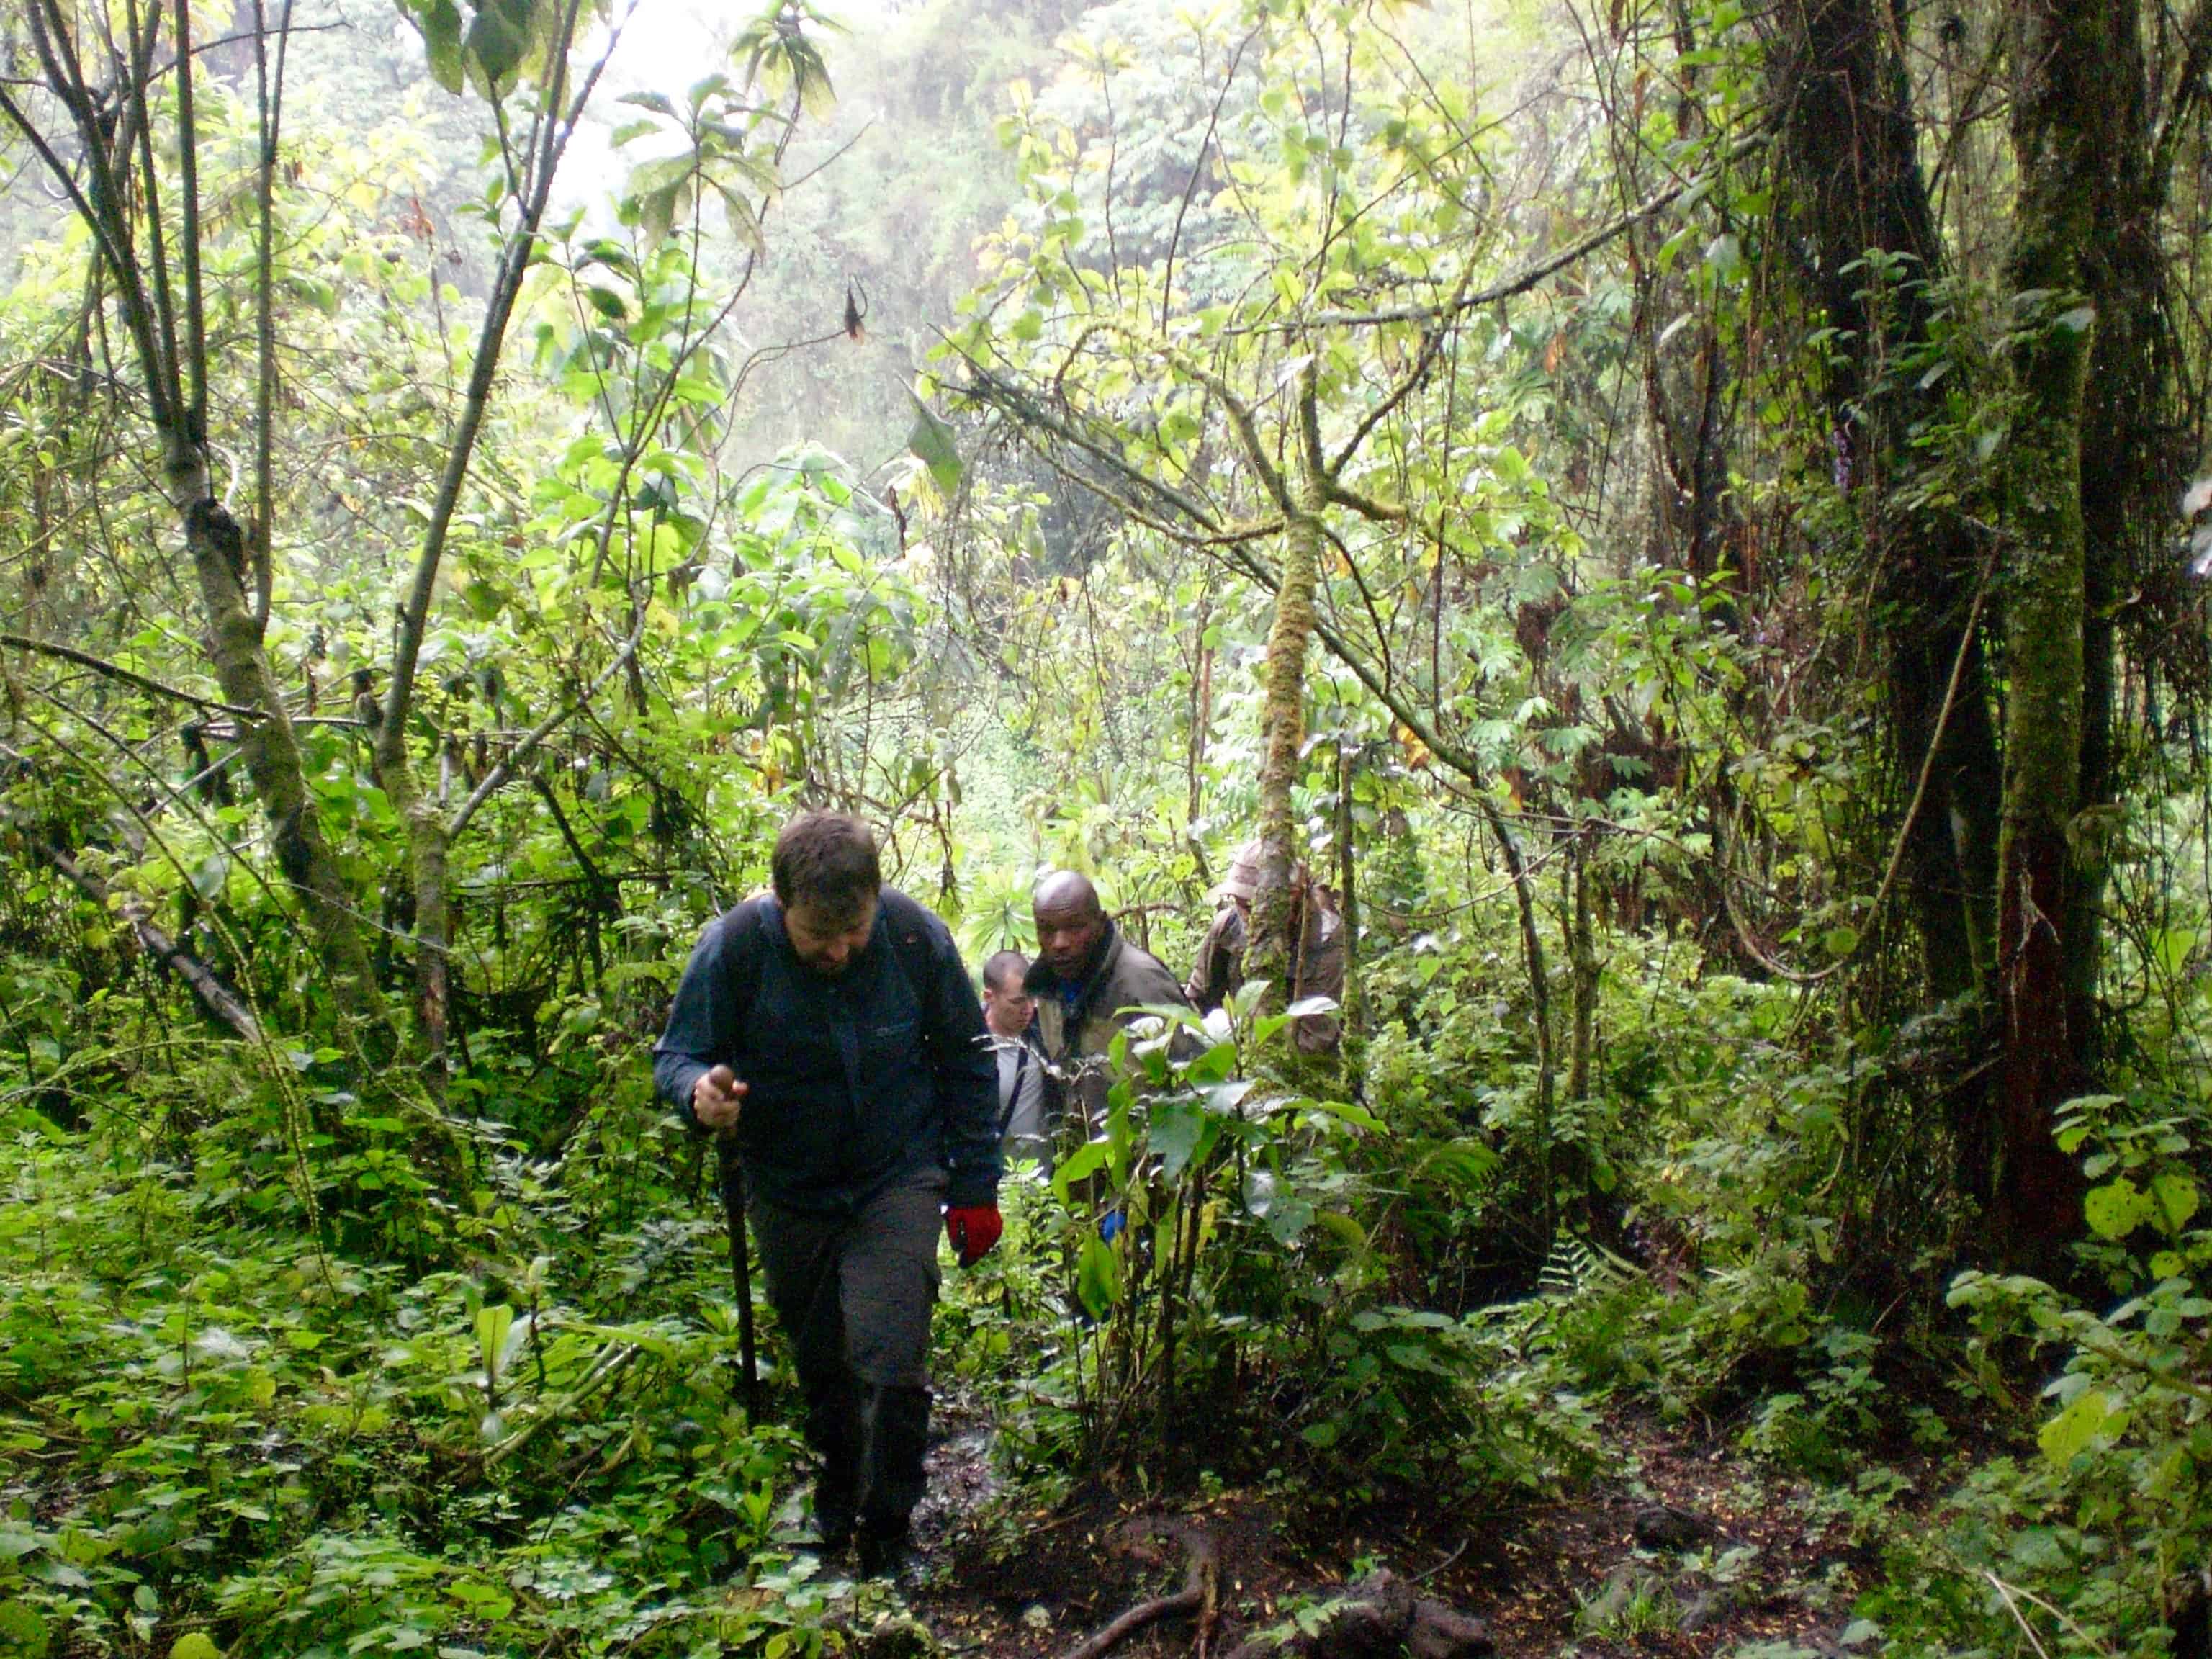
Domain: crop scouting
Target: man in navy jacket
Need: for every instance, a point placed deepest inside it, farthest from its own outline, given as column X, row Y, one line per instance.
column 832, row 1030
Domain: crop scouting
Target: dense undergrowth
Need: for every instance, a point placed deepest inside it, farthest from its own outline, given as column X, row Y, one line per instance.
column 364, row 1302
column 501, row 1418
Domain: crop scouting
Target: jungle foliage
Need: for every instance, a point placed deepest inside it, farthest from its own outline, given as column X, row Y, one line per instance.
column 1680, row 516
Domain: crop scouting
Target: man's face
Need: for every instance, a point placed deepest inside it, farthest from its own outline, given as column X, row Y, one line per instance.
column 1006, row 1010
column 1066, row 936
column 829, row 942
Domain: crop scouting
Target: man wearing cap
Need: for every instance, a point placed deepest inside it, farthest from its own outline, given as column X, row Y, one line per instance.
column 830, row 1028
column 1317, row 945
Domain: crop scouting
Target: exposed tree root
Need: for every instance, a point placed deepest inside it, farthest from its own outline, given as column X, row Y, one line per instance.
column 1200, row 1595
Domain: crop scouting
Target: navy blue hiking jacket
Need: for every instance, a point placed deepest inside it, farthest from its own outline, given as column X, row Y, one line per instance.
column 854, row 1081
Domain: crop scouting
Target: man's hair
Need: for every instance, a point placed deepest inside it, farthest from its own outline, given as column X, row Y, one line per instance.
column 827, row 862
column 1005, row 969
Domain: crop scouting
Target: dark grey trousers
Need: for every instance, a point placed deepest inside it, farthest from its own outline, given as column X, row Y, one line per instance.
column 853, row 1295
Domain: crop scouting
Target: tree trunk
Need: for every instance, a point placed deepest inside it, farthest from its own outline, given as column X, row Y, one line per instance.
column 1347, row 767
column 119, row 205
column 1268, row 956
column 2132, row 470
column 1540, row 993
column 271, row 753
column 1851, row 146
column 1581, row 956
column 2061, row 77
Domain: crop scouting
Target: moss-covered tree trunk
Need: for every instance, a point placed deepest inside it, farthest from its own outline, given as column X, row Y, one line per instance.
column 1269, row 955
column 1851, row 149
column 2059, row 79
column 271, row 752
column 2135, row 455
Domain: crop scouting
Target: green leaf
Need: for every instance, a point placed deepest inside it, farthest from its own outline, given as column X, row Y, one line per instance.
column 209, row 875
column 1083, row 1163
column 1098, row 1277
column 931, row 441
column 1290, row 1218
column 2117, row 1208
column 743, row 222
column 2175, row 1196
column 438, row 22
column 1260, row 1192
column 1181, row 1131
column 493, row 1325
column 23, row 1633
column 1217, row 1064
column 2091, row 1414
column 499, row 41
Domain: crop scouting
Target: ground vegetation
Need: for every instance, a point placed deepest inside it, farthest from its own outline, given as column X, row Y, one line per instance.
column 1686, row 519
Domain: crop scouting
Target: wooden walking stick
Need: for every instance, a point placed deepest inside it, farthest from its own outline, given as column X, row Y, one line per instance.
column 732, row 1174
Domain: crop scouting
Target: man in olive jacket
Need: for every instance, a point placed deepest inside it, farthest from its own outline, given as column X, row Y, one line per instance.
column 832, row 1030
column 1085, row 974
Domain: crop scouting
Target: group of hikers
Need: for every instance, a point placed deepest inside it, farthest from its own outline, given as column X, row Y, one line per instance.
column 829, row 1029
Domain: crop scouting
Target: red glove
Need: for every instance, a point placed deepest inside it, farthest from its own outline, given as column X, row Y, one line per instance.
column 973, row 1228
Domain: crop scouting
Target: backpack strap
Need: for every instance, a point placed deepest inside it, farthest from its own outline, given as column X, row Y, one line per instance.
column 743, row 924
column 1022, row 1055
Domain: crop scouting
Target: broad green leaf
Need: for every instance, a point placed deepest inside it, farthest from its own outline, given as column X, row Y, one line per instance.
column 2175, row 1197
column 1083, row 1163
column 25, row 1635
column 1217, row 1064
column 930, row 439
column 209, row 875
column 493, row 1325
column 2117, row 1208
column 1181, row 1132
column 438, row 22
column 1260, row 1192
column 2071, row 1432
column 499, row 41
column 1098, row 1277
column 1290, row 1217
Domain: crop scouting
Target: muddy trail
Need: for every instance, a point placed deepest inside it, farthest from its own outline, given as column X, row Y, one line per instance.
column 1678, row 1547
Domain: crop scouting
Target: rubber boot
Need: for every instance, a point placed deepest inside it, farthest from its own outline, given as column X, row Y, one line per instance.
column 834, row 1430
column 894, row 1425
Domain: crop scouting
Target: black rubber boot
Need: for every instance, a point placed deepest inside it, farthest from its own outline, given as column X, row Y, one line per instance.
column 890, row 1556
column 893, row 1436
column 834, row 1430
